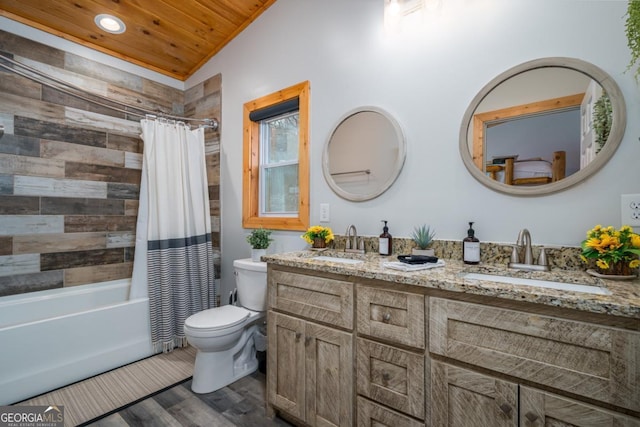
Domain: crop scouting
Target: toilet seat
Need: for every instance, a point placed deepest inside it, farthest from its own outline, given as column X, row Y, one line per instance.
column 217, row 319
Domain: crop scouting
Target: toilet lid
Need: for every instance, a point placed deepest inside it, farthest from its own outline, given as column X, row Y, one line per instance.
column 217, row 318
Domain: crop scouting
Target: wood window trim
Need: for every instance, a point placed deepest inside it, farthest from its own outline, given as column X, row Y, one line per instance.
column 251, row 162
column 480, row 119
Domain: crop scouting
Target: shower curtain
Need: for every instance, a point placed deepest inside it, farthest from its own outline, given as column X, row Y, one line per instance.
column 173, row 262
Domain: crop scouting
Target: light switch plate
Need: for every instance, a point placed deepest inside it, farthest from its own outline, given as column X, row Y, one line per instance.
column 630, row 209
column 325, row 215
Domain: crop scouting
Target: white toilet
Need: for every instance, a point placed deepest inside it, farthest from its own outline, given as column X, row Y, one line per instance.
column 223, row 335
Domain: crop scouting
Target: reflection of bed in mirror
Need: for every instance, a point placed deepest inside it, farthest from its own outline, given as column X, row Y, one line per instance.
column 513, row 171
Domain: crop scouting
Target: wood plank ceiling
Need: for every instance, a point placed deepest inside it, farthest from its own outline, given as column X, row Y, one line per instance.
column 173, row 37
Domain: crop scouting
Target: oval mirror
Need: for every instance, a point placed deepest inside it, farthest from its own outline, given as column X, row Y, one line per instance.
column 364, row 154
column 542, row 126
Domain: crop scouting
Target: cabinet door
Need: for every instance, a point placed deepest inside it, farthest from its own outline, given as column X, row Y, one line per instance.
column 391, row 315
column 463, row 398
column 392, row 377
column 286, row 357
column 329, row 376
column 317, row 298
column 370, row 414
column 541, row 409
column 590, row 360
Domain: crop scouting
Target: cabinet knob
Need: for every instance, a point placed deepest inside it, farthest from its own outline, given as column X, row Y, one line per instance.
column 386, row 317
column 385, row 378
column 298, row 336
column 506, row 408
column 531, row 416
column 307, row 340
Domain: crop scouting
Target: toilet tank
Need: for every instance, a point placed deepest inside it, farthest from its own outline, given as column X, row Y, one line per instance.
column 251, row 281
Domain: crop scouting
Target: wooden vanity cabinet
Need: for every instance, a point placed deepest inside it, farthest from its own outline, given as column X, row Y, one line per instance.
column 465, row 398
column 390, row 356
column 597, row 362
column 425, row 360
column 309, row 363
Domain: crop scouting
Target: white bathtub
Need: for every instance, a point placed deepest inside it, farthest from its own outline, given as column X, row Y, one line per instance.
column 53, row 338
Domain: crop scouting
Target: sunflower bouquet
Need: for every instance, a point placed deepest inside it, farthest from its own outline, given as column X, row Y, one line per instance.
column 614, row 251
column 318, row 232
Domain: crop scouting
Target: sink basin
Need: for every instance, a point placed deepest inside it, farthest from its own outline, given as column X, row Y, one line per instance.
column 336, row 259
column 574, row 287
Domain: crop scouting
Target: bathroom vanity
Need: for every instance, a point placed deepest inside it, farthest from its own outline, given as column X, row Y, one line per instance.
column 361, row 344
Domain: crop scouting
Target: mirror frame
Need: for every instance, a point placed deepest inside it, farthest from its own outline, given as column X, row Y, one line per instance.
column 398, row 165
column 618, row 126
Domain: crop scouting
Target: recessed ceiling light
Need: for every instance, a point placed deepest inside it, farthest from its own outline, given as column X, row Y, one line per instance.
column 110, row 23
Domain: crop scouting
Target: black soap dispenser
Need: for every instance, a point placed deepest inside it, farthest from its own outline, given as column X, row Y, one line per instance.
column 384, row 242
column 471, row 247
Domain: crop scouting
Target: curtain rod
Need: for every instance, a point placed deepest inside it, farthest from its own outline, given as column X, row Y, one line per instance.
column 208, row 123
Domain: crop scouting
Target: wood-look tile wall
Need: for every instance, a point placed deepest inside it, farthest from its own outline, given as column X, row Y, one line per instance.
column 70, row 169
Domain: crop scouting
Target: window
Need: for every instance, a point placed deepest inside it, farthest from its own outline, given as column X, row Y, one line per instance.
column 275, row 183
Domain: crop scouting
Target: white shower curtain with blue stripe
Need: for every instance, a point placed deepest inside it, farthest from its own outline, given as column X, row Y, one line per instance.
column 173, row 255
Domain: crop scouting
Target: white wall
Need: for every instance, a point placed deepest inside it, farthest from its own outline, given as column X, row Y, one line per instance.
column 426, row 81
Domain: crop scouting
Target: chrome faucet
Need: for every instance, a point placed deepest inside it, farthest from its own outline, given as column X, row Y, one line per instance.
column 351, row 244
column 524, row 239
column 524, row 260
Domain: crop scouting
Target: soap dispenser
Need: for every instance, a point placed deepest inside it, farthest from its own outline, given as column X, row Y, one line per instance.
column 384, row 242
column 471, row 247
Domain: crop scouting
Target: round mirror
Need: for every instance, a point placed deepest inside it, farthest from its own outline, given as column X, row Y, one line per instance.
column 364, row 154
column 542, row 126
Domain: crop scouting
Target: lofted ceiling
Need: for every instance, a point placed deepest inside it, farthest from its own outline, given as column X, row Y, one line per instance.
column 172, row 37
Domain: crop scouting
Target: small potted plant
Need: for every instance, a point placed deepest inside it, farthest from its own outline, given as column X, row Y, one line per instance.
column 259, row 239
column 423, row 238
column 318, row 236
column 615, row 252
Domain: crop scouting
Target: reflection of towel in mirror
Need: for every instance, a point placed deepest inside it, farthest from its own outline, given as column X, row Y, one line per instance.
column 412, row 267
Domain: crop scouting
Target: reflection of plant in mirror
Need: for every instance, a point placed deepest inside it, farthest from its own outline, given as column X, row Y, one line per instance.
column 632, row 29
column 602, row 119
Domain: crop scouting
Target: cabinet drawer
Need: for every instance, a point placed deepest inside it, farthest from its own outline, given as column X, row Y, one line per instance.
column 539, row 409
column 325, row 300
column 391, row 376
column 371, row 414
column 594, row 361
column 391, row 315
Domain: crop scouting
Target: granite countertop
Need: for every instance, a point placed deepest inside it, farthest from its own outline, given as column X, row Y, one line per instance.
column 623, row 301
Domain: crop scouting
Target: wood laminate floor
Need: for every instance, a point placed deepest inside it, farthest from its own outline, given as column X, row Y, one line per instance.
column 241, row 404
column 157, row 392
